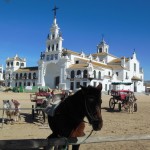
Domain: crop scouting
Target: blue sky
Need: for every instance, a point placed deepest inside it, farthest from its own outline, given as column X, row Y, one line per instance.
column 125, row 24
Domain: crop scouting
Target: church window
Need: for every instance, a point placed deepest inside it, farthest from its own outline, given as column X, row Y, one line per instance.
column 53, row 47
column 100, row 50
column 11, row 63
column 22, row 64
column 77, row 85
column 72, row 74
column 94, row 72
column 57, row 46
column 25, row 76
column 16, row 75
column 8, row 64
column 34, row 75
column 49, row 48
column 99, row 75
column 109, row 73
column 53, row 36
column 17, row 63
column 52, row 57
column 72, row 86
column 117, row 73
column 29, row 76
column 134, row 66
column 24, row 83
column 33, row 83
column 79, row 72
column 20, row 75
column 56, row 56
column 85, row 74
column 47, row 58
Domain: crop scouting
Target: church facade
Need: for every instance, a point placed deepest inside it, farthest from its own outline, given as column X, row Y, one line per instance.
column 66, row 69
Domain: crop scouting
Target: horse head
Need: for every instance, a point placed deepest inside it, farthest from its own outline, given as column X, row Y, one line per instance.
column 6, row 104
column 92, row 101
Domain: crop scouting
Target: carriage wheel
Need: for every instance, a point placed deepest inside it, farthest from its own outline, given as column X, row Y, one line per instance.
column 135, row 107
column 119, row 106
column 112, row 103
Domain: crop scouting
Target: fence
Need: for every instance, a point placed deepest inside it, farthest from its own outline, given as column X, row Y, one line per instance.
column 39, row 143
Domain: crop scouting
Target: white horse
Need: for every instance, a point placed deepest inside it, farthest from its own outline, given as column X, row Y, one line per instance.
column 12, row 110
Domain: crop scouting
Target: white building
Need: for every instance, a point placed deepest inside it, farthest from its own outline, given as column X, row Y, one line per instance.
column 65, row 69
column 17, row 74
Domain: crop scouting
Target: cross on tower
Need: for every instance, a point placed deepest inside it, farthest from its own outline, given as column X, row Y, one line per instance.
column 55, row 9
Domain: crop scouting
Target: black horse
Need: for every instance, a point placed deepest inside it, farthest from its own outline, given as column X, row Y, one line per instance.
column 70, row 113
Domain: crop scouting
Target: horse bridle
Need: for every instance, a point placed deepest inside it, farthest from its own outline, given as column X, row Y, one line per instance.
column 86, row 107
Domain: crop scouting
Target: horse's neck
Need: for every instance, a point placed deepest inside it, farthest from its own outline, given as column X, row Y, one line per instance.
column 75, row 104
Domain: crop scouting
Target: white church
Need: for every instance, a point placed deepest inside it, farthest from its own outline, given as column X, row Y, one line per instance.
column 62, row 68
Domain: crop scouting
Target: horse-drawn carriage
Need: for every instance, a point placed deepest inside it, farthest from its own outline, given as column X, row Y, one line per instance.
column 40, row 99
column 124, row 99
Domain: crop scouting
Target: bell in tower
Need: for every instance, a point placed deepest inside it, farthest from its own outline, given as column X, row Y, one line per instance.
column 102, row 47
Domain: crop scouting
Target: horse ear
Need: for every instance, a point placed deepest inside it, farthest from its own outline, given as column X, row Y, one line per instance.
column 99, row 86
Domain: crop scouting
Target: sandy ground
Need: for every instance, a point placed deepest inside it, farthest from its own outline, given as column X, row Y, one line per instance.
column 115, row 123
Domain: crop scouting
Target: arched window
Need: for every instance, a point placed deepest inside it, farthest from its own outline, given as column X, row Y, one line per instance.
column 94, row 72
column 16, row 75
column 100, row 50
column 53, row 47
column 20, row 75
column 79, row 72
column 16, row 84
column 8, row 64
column 85, row 74
column 48, row 58
column 72, row 74
column 57, row 46
column 24, row 83
column 52, row 57
column 33, row 83
column 99, row 75
column 25, row 75
column 49, row 48
column 34, row 75
column 29, row 76
column 11, row 63
column 22, row 64
column 17, row 63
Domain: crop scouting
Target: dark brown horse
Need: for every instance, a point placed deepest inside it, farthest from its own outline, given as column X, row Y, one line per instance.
column 70, row 113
